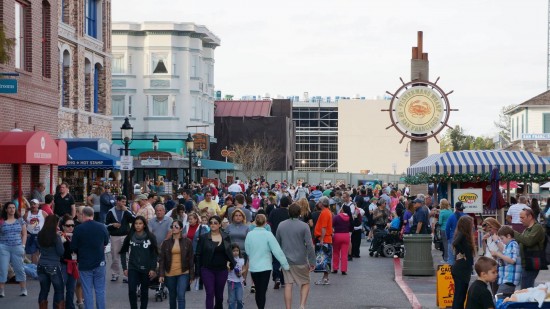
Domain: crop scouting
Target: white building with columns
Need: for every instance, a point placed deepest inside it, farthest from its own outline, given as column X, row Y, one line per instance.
column 163, row 80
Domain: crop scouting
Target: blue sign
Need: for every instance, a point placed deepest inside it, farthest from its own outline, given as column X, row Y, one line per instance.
column 8, row 85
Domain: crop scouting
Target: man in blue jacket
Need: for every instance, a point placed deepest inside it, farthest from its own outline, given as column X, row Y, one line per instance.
column 89, row 241
column 450, row 229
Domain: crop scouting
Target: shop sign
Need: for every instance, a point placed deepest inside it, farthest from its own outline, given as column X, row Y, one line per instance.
column 86, row 163
column 534, row 137
column 126, row 163
column 201, row 141
column 445, row 286
column 150, row 162
column 472, row 199
column 419, row 110
column 8, row 86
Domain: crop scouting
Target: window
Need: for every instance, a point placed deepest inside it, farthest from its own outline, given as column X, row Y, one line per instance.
column 118, row 64
column 130, row 105
column 159, row 63
column 46, row 40
column 513, row 132
column 195, row 63
column 65, row 11
column 546, row 123
column 91, row 18
column 117, row 105
column 160, row 105
column 194, row 108
column 129, row 64
column 20, row 45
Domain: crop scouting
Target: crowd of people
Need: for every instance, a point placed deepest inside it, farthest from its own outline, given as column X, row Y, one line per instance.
column 212, row 237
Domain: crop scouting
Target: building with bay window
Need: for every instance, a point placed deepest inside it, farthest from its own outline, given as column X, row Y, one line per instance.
column 163, row 80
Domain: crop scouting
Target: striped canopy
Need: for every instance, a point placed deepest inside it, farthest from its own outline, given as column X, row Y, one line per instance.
column 479, row 162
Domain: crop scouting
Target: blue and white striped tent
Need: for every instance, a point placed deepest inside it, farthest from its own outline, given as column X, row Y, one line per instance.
column 479, row 162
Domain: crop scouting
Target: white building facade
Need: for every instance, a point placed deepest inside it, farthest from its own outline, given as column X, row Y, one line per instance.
column 163, row 80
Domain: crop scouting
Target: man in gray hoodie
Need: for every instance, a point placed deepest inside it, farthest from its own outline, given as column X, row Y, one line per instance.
column 295, row 239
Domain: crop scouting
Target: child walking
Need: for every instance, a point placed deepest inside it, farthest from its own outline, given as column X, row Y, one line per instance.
column 509, row 270
column 235, row 280
column 479, row 296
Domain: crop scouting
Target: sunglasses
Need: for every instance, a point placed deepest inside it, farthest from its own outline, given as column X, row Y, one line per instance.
column 175, row 226
column 214, row 223
column 69, row 225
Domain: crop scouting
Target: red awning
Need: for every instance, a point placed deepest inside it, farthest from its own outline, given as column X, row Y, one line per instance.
column 30, row 147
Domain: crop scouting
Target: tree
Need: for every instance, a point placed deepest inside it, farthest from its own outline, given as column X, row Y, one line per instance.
column 255, row 158
column 6, row 46
column 455, row 139
column 503, row 125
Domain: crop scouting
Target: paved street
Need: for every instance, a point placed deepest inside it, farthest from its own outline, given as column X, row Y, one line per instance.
column 369, row 284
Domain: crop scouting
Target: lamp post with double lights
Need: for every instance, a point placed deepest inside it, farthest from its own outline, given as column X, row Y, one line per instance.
column 192, row 154
column 126, row 133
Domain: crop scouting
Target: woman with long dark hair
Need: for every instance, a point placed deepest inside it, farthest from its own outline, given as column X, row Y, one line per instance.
column 213, row 253
column 49, row 264
column 464, row 249
column 176, row 265
column 69, row 268
column 142, row 263
column 536, row 208
column 13, row 236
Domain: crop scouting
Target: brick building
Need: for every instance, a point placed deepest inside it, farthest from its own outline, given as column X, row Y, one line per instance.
column 85, row 68
column 35, row 106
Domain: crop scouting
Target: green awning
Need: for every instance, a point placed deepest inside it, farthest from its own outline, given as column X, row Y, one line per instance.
column 140, row 146
column 216, row 165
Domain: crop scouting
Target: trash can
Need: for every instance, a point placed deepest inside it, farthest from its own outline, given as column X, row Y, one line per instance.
column 418, row 259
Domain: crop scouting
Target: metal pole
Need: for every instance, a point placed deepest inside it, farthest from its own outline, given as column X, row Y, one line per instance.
column 190, row 168
column 125, row 189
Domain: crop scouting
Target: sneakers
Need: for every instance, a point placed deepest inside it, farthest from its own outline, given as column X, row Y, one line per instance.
column 277, row 284
column 80, row 305
column 114, row 277
column 252, row 289
column 344, row 273
column 124, row 280
column 335, row 271
column 322, row 282
column 23, row 292
column 2, row 295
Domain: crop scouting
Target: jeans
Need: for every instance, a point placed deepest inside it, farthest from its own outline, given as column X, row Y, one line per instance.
column 214, row 284
column 93, row 281
column 70, row 285
column 528, row 278
column 445, row 244
column 50, row 275
column 277, row 273
column 176, row 289
column 102, row 216
column 235, row 295
column 116, row 244
column 13, row 255
column 450, row 252
column 261, row 281
column 136, row 278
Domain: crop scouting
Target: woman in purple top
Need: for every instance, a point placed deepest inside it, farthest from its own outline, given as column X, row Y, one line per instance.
column 342, row 226
column 408, row 217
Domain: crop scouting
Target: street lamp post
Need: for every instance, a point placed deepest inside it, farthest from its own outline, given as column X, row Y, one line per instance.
column 155, row 142
column 126, row 137
column 192, row 153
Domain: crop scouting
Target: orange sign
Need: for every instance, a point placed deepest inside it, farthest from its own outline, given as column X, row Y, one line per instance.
column 232, row 154
column 201, row 141
column 225, row 153
column 445, row 286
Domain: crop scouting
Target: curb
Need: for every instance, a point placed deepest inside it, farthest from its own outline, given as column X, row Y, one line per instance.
column 404, row 286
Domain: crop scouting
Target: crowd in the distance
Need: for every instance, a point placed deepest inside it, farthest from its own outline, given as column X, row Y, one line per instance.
column 238, row 236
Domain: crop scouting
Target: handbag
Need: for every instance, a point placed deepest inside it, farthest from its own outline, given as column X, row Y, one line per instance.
column 323, row 258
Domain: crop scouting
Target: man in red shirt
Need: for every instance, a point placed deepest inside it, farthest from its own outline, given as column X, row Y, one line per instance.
column 323, row 234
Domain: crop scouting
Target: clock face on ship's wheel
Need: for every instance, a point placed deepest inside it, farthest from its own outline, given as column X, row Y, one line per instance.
column 419, row 110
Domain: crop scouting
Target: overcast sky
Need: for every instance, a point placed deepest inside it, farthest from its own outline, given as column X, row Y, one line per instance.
column 490, row 52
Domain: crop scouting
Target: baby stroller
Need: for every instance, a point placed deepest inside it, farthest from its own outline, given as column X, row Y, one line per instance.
column 161, row 291
column 386, row 242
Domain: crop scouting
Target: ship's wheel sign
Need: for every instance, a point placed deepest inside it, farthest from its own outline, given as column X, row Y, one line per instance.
column 419, row 110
